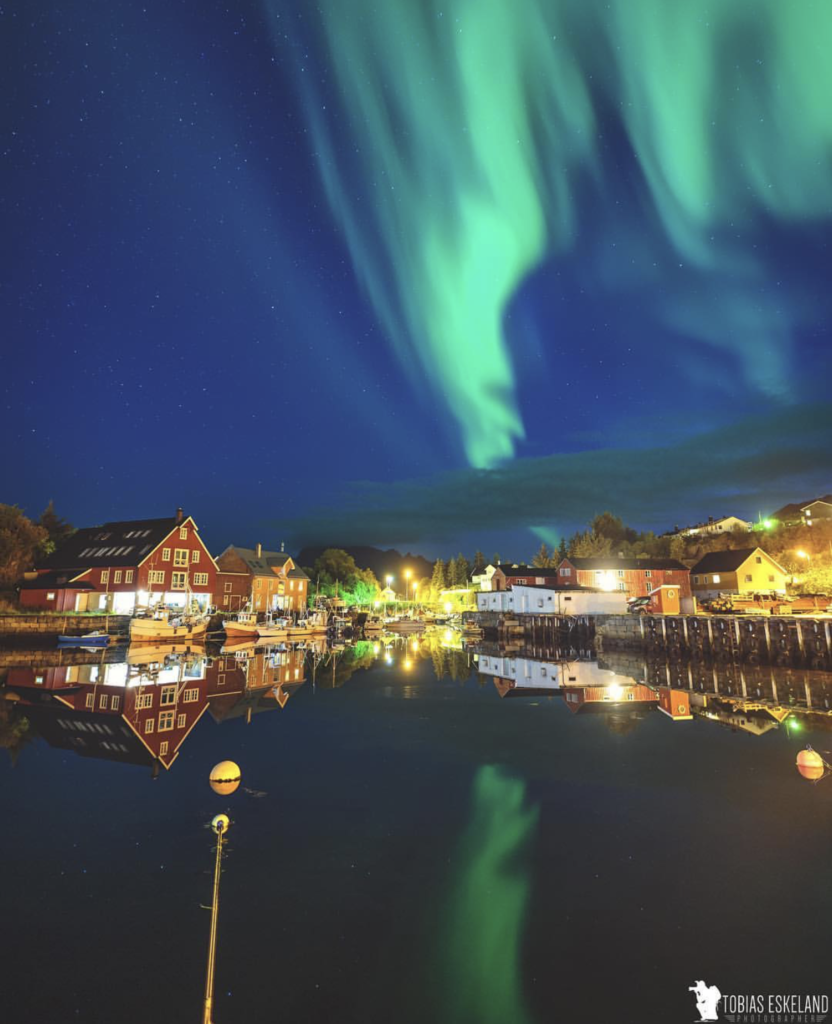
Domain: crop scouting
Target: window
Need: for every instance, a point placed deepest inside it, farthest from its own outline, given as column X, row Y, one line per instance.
column 128, row 576
column 149, row 725
column 258, row 583
column 105, row 575
column 39, row 679
column 156, row 576
column 90, row 699
column 771, row 579
column 191, row 695
column 621, row 574
column 165, row 554
column 648, row 573
column 144, row 700
column 716, row 578
column 695, row 579
column 166, row 720
column 163, row 748
column 117, row 576
column 200, row 579
column 180, row 556
column 179, row 580
column 115, row 703
column 221, row 679
column 748, row 577
column 758, row 560
column 565, row 572
column 183, row 532
column 103, row 701
column 50, row 595
column 291, row 584
column 622, row 586
column 195, row 555
column 225, row 598
column 168, row 695
column 227, row 587
column 180, row 721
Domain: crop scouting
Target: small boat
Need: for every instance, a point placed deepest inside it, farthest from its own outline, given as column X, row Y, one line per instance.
column 165, row 625
column 310, row 625
column 406, row 626
column 95, row 639
column 245, row 625
column 374, row 624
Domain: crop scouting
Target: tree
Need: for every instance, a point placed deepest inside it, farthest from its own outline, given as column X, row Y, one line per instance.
column 543, row 558
column 495, row 560
column 563, row 549
column 335, row 564
column 57, row 528
column 478, row 565
column 463, row 571
column 438, row 582
column 588, row 545
column 21, row 541
column 450, row 573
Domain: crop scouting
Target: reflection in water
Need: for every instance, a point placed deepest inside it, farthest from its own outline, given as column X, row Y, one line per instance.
column 481, row 964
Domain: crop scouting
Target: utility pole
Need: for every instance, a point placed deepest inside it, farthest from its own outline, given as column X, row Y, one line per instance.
column 220, row 826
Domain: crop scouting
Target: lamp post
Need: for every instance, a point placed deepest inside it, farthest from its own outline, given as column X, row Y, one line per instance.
column 220, row 826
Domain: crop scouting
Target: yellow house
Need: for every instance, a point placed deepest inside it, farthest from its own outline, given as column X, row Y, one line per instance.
column 742, row 571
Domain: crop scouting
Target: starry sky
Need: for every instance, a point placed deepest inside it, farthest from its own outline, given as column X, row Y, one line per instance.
column 426, row 273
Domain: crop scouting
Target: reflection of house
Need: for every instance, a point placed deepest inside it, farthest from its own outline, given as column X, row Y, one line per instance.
column 272, row 581
column 754, row 719
column 533, row 600
column 263, row 678
column 119, row 566
column 675, row 704
column 603, row 698
column 140, row 714
column 635, row 577
column 516, row 677
column 743, row 571
column 807, row 512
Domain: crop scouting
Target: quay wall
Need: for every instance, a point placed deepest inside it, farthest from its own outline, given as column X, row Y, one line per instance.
column 70, row 625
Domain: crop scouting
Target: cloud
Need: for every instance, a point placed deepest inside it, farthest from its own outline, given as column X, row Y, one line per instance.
column 753, row 465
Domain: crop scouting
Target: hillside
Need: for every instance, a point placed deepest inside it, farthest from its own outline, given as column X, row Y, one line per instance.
column 382, row 563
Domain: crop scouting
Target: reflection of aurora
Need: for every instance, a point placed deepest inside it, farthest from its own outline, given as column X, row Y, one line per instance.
column 480, row 964
column 459, row 137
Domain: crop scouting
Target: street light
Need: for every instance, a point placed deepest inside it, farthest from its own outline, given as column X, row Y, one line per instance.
column 804, row 554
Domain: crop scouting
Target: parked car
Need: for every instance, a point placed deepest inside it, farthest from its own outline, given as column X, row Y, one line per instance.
column 638, row 605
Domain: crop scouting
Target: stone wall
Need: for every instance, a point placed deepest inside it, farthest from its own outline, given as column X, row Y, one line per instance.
column 71, row 625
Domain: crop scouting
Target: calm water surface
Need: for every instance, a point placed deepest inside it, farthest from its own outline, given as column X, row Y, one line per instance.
column 422, row 834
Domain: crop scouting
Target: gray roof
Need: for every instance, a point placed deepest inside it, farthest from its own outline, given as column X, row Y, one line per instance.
column 111, row 544
column 725, row 561
column 266, row 563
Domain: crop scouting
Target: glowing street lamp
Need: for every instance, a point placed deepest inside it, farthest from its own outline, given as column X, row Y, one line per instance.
column 804, row 554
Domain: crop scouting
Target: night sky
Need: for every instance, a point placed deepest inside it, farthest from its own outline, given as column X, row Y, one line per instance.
column 432, row 274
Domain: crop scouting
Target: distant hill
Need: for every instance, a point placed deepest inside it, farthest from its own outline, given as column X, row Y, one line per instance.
column 383, row 563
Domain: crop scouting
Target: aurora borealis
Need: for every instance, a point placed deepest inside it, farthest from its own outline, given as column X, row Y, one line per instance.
column 493, row 243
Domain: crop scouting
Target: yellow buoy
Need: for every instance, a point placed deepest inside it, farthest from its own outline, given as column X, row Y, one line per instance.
column 810, row 764
column 225, row 777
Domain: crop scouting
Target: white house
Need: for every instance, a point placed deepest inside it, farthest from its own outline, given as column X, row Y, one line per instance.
column 532, row 600
column 482, row 580
column 714, row 526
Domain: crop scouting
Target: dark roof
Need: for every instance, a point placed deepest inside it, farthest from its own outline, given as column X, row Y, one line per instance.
column 826, row 499
column 111, row 544
column 795, row 508
column 725, row 561
column 614, row 562
column 557, row 586
column 526, row 570
column 267, row 562
column 55, row 580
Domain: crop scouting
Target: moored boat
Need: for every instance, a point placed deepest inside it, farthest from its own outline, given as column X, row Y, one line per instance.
column 406, row 626
column 246, row 625
column 314, row 623
column 94, row 639
column 164, row 625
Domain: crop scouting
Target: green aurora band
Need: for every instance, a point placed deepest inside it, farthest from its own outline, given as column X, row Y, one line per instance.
column 472, row 125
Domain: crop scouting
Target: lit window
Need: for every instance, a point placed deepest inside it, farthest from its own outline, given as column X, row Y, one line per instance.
column 128, row 576
column 163, row 748
column 183, row 532
column 149, row 725
column 195, row 555
column 179, row 580
column 166, row 720
column 50, row 595
column 717, row 579
column 180, row 721
column 180, row 556
column 168, row 695
column 39, row 679
column 105, row 575
column 165, row 554
column 117, row 576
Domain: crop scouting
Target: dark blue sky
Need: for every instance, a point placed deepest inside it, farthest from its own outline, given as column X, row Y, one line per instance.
column 207, row 300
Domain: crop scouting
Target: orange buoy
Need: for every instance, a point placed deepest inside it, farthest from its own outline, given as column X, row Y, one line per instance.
column 810, row 764
column 225, row 777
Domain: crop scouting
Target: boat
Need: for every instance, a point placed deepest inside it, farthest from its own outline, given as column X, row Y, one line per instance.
column 373, row 625
column 147, row 652
column 406, row 626
column 94, row 639
column 309, row 626
column 166, row 625
column 245, row 625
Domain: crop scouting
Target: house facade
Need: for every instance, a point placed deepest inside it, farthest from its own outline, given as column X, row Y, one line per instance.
column 534, row 600
column 482, row 580
column 269, row 580
column 725, row 524
column 742, row 571
column 635, row 577
column 506, row 576
column 121, row 566
column 804, row 512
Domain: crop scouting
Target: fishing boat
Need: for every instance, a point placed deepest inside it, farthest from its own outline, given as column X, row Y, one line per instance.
column 94, row 639
column 166, row 625
column 245, row 625
column 315, row 622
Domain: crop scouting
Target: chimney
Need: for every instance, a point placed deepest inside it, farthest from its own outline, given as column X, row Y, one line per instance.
column 282, row 549
column 259, row 550
column 180, row 515
column 710, row 519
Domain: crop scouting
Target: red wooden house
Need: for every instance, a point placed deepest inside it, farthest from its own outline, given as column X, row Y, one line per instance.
column 268, row 580
column 120, row 566
column 637, row 577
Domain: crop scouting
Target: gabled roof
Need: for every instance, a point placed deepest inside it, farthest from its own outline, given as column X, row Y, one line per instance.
column 526, row 570
column 826, row 500
column 267, row 563
column 111, row 544
column 728, row 561
column 794, row 509
column 614, row 562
